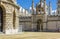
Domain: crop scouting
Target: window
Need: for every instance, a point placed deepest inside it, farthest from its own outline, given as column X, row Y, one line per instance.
column 14, row 19
column 39, row 10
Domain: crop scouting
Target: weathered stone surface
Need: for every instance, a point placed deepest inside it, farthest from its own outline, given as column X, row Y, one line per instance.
column 8, row 12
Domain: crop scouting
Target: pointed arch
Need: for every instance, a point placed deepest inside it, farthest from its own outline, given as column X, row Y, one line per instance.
column 2, row 18
column 39, row 25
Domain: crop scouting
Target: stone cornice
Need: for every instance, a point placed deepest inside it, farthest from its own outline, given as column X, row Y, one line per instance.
column 11, row 4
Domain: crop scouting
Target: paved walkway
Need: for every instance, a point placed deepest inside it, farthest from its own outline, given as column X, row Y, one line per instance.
column 32, row 35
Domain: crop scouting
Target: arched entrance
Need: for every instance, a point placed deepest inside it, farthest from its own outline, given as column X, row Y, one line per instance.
column 1, row 19
column 39, row 25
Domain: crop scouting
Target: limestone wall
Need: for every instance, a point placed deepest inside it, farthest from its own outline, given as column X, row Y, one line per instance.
column 53, row 25
column 8, row 20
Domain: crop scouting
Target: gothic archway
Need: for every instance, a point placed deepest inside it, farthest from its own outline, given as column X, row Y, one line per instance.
column 1, row 19
column 39, row 25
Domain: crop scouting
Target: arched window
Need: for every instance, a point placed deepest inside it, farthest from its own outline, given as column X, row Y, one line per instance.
column 14, row 19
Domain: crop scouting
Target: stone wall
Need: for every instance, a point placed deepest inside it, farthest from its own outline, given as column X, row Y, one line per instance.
column 8, row 17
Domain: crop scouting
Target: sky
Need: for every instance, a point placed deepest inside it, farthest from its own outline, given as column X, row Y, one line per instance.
column 28, row 3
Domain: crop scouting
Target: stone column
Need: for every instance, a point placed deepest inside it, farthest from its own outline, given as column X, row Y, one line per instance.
column 9, row 23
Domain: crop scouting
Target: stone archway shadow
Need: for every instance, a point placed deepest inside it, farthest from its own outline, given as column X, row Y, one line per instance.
column 2, row 18
column 39, row 25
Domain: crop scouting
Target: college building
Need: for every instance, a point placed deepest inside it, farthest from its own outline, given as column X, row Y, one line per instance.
column 13, row 20
column 41, row 18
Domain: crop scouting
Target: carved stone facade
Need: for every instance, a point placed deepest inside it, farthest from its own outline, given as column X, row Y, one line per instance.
column 10, row 13
column 40, row 21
